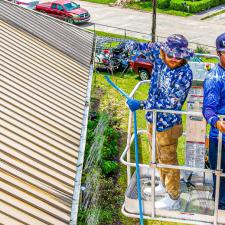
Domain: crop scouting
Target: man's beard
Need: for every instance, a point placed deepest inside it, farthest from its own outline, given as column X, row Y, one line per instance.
column 175, row 65
column 163, row 57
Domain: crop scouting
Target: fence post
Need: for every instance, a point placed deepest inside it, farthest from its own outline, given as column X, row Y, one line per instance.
column 94, row 30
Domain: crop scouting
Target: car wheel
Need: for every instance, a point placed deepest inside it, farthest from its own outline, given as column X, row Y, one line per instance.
column 69, row 20
column 144, row 74
column 97, row 59
column 114, row 63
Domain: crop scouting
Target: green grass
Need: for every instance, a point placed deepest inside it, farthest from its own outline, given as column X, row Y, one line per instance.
column 147, row 7
column 111, row 97
column 209, row 60
column 113, row 35
column 214, row 14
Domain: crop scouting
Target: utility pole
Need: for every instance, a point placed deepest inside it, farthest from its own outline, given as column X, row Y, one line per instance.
column 154, row 3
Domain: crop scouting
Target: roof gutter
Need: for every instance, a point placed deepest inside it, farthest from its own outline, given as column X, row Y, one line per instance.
column 78, row 176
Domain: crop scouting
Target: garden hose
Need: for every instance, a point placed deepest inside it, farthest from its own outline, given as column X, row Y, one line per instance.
column 136, row 150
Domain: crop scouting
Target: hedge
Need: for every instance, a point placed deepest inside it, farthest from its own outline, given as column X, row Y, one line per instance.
column 163, row 4
column 194, row 7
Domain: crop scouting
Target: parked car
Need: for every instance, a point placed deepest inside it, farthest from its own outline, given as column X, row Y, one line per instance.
column 142, row 66
column 65, row 10
column 29, row 4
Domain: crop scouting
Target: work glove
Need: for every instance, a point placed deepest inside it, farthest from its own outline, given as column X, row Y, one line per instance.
column 220, row 125
column 133, row 104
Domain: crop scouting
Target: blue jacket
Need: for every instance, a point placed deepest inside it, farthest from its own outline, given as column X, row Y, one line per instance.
column 214, row 98
column 168, row 90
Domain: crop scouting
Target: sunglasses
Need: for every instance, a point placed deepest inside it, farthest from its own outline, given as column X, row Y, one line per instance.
column 172, row 57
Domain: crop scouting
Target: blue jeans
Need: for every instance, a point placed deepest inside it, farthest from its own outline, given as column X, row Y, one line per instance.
column 213, row 151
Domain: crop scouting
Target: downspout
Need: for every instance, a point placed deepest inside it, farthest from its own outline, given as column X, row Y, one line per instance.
column 78, row 176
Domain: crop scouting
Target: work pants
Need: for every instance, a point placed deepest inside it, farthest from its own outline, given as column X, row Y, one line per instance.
column 166, row 153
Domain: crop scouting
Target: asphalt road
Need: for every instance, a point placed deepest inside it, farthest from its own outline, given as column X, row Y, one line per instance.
column 203, row 32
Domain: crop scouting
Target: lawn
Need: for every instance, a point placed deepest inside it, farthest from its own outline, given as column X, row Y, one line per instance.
column 127, row 82
column 113, row 35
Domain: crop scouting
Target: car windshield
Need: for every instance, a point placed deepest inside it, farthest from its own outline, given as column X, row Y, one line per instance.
column 71, row 6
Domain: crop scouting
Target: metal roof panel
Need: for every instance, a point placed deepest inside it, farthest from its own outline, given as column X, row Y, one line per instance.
column 44, row 79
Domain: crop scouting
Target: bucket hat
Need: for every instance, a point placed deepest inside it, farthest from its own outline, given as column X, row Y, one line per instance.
column 220, row 42
column 176, row 45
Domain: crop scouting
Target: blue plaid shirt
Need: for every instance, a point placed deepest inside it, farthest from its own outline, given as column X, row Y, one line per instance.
column 168, row 90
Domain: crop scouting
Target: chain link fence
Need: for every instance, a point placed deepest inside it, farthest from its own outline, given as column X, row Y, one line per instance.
column 116, row 34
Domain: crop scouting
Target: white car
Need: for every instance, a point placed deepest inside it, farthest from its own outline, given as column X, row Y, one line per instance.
column 29, row 4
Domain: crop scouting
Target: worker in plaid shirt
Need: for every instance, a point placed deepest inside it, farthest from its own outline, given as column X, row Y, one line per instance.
column 170, row 83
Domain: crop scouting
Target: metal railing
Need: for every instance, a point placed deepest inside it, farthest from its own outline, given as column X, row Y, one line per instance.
column 154, row 165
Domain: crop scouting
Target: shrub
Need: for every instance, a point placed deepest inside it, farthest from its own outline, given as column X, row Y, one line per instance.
column 194, row 6
column 109, row 167
column 202, row 50
column 111, row 133
column 109, row 152
column 163, row 4
column 111, row 201
column 106, row 217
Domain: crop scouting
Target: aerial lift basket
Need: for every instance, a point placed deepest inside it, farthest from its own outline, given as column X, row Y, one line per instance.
column 197, row 206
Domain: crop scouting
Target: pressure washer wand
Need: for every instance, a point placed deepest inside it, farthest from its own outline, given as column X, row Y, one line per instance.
column 117, row 88
column 136, row 149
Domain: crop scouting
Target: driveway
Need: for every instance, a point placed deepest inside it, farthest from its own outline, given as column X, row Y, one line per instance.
column 203, row 32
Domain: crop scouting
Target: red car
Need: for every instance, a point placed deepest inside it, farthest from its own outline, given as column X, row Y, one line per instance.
column 142, row 66
column 65, row 10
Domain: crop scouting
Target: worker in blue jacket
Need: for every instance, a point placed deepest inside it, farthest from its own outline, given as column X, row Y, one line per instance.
column 170, row 83
column 213, row 105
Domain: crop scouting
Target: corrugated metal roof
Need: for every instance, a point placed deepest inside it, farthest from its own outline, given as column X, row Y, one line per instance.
column 70, row 39
column 43, row 96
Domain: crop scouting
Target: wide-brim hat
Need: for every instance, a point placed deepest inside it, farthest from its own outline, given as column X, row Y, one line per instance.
column 176, row 45
column 220, row 42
